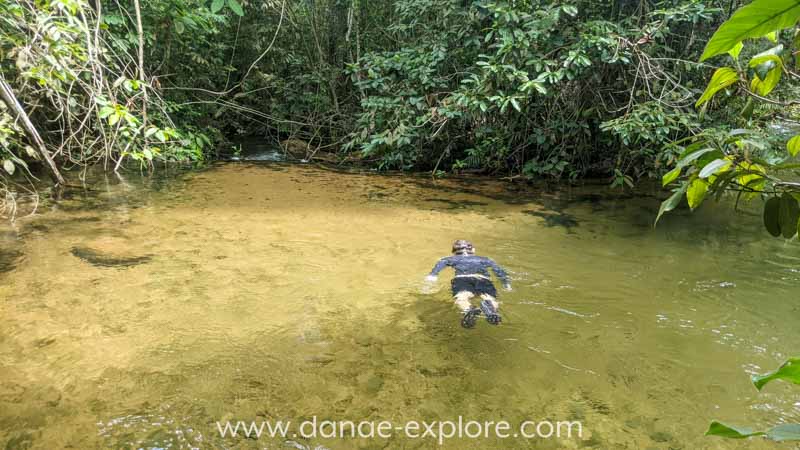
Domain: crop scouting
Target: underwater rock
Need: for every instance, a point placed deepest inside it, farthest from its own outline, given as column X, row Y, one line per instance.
column 319, row 360
column 374, row 385
column 661, row 436
column 295, row 148
column 100, row 259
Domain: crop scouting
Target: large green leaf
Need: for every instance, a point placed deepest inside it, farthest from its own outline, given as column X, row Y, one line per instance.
column 689, row 156
column 750, row 174
column 731, row 432
column 693, row 156
column 789, row 215
column 714, row 167
column 784, row 432
column 696, row 192
column 693, row 147
column 771, row 216
column 793, row 145
column 216, row 5
column 672, row 202
column 764, row 85
column 768, row 59
column 768, row 67
column 670, row 176
column 722, row 78
column 788, row 371
column 751, row 21
column 236, row 7
column 734, row 52
column 761, row 70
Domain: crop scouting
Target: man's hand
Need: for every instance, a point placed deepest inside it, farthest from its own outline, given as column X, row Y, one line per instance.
column 429, row 286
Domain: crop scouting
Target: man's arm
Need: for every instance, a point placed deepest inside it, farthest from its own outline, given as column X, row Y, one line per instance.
column 440, row 265
column 500, row 272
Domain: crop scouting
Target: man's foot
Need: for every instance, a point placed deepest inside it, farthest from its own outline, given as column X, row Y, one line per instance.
column 470, row 317
column 491, row 312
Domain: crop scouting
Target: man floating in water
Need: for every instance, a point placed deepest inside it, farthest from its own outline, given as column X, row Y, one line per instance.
column 472, row 278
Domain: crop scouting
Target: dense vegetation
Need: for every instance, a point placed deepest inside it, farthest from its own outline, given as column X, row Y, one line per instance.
column 531, row 88
column 743, row 160
column 534, row 89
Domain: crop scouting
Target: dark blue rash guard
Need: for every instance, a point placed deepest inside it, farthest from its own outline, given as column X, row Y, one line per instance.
column 471, row 265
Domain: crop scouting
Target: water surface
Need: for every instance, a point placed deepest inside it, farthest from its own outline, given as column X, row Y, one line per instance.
column 137, row 314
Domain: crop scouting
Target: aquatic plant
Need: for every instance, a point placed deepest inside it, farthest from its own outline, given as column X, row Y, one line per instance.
column 788, row 371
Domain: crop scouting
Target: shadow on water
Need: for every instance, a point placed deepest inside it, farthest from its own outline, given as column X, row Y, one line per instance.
column 11, row 254
column 555, row 219
column 100, row 259
column 9, row 259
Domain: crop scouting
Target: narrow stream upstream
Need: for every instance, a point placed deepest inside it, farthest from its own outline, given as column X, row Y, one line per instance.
column 139, row 314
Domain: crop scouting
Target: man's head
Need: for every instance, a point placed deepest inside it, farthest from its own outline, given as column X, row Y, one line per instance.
column 463, row 247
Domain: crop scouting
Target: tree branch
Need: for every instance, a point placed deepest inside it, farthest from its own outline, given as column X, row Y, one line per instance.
column 13, row 104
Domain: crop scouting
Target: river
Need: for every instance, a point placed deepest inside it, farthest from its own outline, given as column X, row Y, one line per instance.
column 140, row 312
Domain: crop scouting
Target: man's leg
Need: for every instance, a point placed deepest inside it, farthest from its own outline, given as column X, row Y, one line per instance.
column 489, row 306
column 493, row 301
column 462, row 300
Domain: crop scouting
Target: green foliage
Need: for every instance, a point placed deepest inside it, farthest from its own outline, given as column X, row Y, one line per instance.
column 788, row 215
column 779, row 433
column 642, row 133
column 721, row 79
column 788, row 371
column 772, row 222
column 793, row 146
column 731, row 432
column 673, row 201
column 746, row 161
column 532, row 88
column 72, row 61
column 528, row 77
column 235, row 7
column 755, row 20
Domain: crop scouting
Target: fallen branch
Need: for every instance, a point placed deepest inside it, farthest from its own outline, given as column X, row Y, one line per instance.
column 19, row 114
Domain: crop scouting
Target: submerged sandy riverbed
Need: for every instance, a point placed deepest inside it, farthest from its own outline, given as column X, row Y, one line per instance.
column 276, row 291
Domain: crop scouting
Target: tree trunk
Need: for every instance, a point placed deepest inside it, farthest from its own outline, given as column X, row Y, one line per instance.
column 19, row 114
column 143, row 84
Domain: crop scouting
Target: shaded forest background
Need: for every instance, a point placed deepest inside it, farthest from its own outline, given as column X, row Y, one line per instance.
column 534, row 89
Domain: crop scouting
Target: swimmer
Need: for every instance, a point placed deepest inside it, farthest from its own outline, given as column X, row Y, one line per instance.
column 472, row 279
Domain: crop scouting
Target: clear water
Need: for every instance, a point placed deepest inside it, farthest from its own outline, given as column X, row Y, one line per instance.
column 284, row 292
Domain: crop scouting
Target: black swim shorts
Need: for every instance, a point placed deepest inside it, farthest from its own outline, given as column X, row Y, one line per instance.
column 476, row 285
